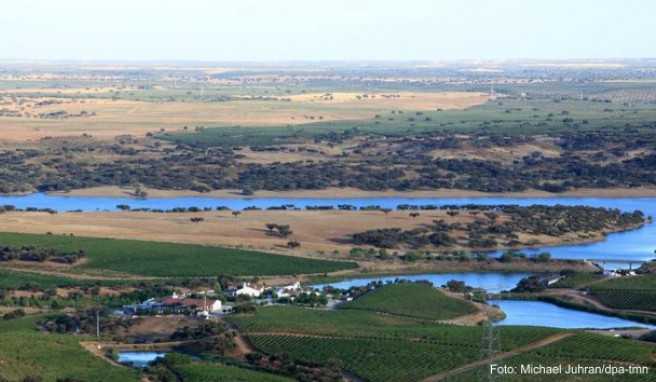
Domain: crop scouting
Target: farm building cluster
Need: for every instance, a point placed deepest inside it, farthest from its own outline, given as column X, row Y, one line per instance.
column 208, row 302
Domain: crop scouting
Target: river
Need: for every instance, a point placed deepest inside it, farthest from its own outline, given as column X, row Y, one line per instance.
column 493, row 282
column 618, row 250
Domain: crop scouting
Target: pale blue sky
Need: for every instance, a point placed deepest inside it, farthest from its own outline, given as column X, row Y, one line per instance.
column 326, row 30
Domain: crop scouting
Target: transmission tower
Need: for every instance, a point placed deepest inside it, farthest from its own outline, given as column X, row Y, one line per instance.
column 490, row 345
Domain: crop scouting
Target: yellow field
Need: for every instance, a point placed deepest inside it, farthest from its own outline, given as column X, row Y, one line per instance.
column 109, row 118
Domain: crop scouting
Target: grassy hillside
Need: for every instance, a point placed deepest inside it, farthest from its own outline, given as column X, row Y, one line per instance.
column 416, row 300
column 175, row 260
column 25, row 352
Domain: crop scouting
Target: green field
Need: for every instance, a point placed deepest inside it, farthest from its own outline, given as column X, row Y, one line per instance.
column 581, row 349
column 374, row 359
column 365, row 324
column 577, row 280
column 636, row 292
column 375, row 346
column 149, row 258
column 211, row 372
column 25, row 352
column 417, row 300
column 16, row 280
column 383, row 347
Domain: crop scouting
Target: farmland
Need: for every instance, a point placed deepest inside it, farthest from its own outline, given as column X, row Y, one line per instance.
column 289, row 131
column 578, row 280
column 636, row 293
column 581, row 349
column 172, row 260
column 363, row 342
column 511, row 116
column 376, row 347
column 212, row 372
column 12, row 280
column 366, row 357
column 106, row 114
column 415, row 300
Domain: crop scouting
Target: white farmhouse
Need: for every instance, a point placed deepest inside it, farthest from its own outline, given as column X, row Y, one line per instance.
column 247, row 290
column 288, row 290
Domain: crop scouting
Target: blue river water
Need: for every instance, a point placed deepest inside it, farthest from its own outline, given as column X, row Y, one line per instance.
column 537, row 313
column 618, row 250
column 493, row 282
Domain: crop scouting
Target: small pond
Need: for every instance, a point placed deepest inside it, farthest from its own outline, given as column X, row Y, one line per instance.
column 139, row 358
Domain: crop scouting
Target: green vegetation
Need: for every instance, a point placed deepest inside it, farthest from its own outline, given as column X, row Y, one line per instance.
column 18, row 280
column 512, row 116
column 375, row 346
column 417, row 300
column 636, row 292
column 577, row 280
column 581, row 349
column 26, row 352
column 384, row 347
column 358, row 323
column 214, row 372
column 173, row 260
column 374, row 359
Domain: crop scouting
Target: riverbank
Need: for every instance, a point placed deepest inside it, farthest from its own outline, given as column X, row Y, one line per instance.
column 114, row 191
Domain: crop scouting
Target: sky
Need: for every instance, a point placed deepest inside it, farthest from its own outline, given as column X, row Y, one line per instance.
column 315, row 30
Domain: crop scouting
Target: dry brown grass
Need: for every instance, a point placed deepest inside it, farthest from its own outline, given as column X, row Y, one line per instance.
column 396, row 101
column 325, row 231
